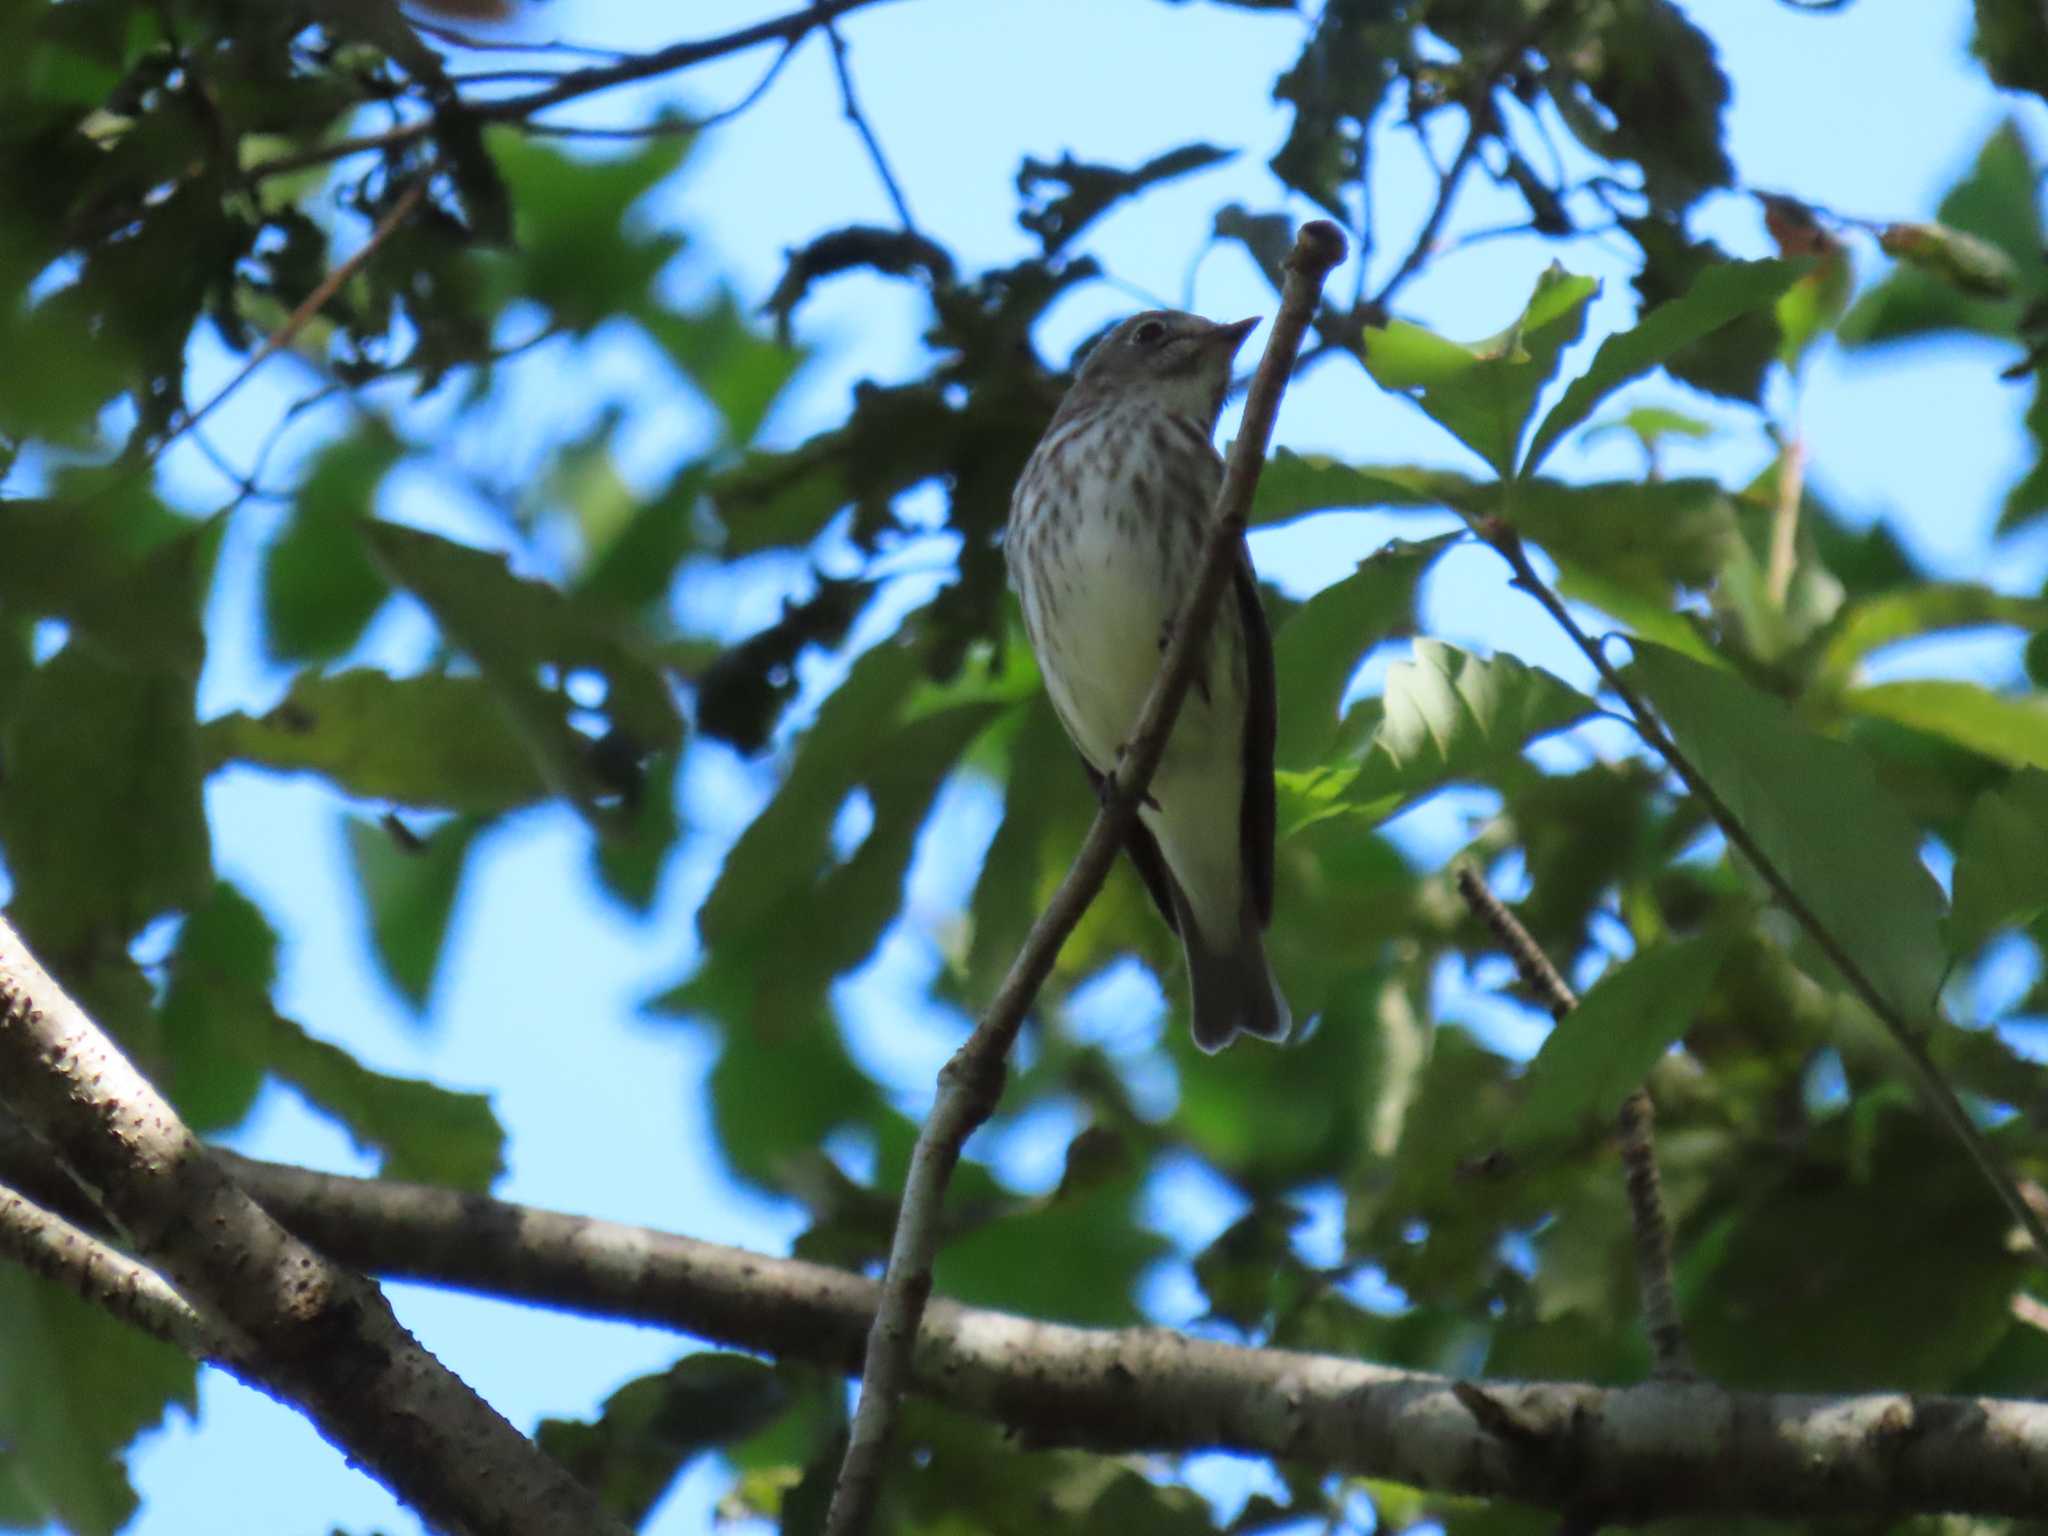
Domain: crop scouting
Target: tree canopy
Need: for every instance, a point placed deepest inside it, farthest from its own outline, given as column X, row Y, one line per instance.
column 280, row 276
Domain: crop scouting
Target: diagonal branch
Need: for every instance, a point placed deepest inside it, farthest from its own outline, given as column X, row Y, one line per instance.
column 1636, row 1453
column 316, row 1335
column 850, row 105
column 1508, row 544
column 1638, row 1137
column 971, row 1083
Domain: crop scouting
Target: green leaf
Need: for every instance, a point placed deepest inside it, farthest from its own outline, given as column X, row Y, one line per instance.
column 1814, row 807
column 1778, row 1295
column 2012, row 41
column 1872, row 623
column 1089, row 191
column 2001, row 876
column 1730, row 360
column 434, row 740
column 1601, row 1052
column 409, row 885
column 424, row 1133
column 102, row 822
column 1483, row 393
column 1322, row 643
column 1295, row 484
column 319, row 589
column 76, row 1387
column 1646, row 537
column 650, row 1427
column 1451, row 715
column 530, row 639
column 1335, row 88
column 740, row 373
column 1811, row 307
column 1001, row 1263
column 124, row 572
column 216, row 1012
column 1719, row 294
column 2013, row 731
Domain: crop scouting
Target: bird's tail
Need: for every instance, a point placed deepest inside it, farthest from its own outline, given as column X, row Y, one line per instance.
column 1232, row 989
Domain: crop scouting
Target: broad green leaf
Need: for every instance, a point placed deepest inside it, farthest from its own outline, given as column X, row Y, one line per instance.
column 2009, row 730
column 631, row 861
column 319, row 589
column 408, row 885
column 1652, row 617
column 638, row 564
column 1814, row 807
column 216, row 1013
column 648, row 1428
column 2011, row 39
column 1600, row 1052
column 76, row 1386
column 1719, row 294
column 1451, row 715
column 740, row 373
column 1731, row 360
column 1650, row 425
column 1483, row 393
column 1801, row 1256
column 1322, row 643
column 531, row 640
column 2001, row 876
column 1295, row 484
column 1644, row 536
column 1105, row 1250
column 434, row 740
column 1811, row 307
column 423, row 1133
column 1873, row 623
column 102, row 823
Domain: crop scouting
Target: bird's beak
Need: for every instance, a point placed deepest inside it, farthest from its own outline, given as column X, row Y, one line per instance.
column 1228, row 338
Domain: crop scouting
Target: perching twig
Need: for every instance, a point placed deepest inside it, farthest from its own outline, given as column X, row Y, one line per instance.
column 971, row 1083
column 1638, row 1123
column 850, row 105
column 1508, row 544
column 315, row 1334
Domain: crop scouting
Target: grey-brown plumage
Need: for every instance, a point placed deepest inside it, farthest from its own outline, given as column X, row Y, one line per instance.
column 1105, row 542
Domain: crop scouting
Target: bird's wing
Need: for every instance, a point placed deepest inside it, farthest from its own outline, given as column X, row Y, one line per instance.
column 1261, row 727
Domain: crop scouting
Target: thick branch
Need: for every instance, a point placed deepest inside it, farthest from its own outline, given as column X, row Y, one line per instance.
column 1625, row 1454
column 971, row 1083
column 318, row 1336
column 1932, row 1085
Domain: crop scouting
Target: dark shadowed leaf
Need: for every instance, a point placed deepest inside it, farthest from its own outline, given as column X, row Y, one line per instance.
column 434, row 740
column 1600, row 1052
column 1815, row 808
column 2001, row 874
column 116, row 565
column 409, row 883
column 1483, row 393
column 1721, row 293
column 1104, row 1249
column 2012, row 40
column 648, row 1428
column 1645, row 537
column 1322, row 643
column 1730, row 360
column 1085, row 192
column 103, row 823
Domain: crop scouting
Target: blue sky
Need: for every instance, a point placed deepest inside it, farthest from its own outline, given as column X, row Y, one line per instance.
column 1873, row 111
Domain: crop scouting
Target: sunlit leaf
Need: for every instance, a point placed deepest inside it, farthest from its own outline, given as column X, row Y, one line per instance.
column 2009, row 730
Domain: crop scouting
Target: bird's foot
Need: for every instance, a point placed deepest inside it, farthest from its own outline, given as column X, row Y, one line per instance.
column 1108, row 781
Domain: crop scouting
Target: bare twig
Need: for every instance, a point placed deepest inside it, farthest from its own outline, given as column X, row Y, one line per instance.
column 316, row 1335
column 580, row 83
column 308, row 307
column 107, row 1278
column 850, row 105
column 1658, row 1449
column 1425, row 238
column 1939, row 1095
column 971, row 1083
column 1785, row 513
column 1638, row 1122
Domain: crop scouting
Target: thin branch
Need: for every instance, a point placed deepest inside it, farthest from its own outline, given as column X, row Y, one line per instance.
column 1785, row 512
column 1508, row 544
column 308, row 307
column 1659, row 1449
column 99, row 1274
column 317, row 1336
column 1425, row 239
column 582, row 82
column 1638, row 1125
column 850, row 105
column 971, row 1083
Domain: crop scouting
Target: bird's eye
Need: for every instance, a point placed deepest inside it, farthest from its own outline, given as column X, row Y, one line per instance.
column 1149, row 333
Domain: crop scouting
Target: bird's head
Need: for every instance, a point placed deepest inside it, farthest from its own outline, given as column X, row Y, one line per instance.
column 1177, row 361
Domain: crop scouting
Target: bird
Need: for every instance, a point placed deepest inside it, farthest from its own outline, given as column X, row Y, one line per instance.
column 1104, row 542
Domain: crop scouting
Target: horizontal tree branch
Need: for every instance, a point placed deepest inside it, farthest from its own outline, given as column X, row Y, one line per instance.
column 321, row 1338
column 1630, row 1453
